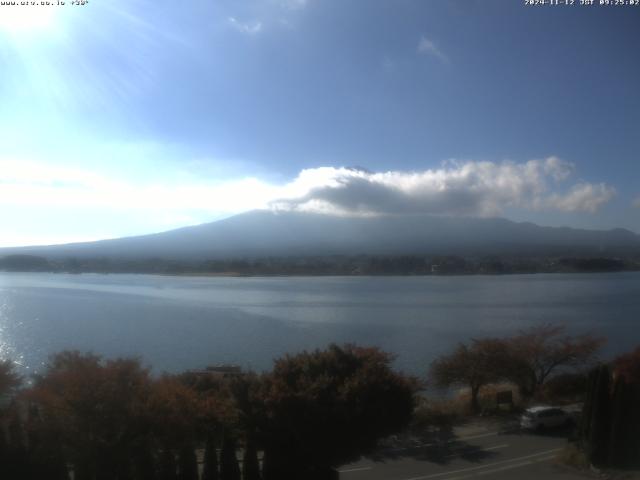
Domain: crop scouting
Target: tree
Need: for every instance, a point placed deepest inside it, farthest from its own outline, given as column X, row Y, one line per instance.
column 535, row 354
column 210, row 467
column 568, row 386
column 168, row 467
column 610, row 420
column 229, row 468
column 628, row 366
column 186, row 410
column 172, row 410
column 9, row 379
column 328, row 407
column 188, row 463
column 14, row 455
column 474, row 366
column 249, row 416
column 250, row 464
column 600, row 417
column 24, row 263
column 9, row 447
column 95, row 409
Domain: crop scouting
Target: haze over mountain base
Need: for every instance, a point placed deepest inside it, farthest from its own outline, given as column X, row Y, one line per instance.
column 266, row 233
column 265, row 242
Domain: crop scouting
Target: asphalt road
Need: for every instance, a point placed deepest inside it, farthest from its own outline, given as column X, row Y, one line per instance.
column 485, row 451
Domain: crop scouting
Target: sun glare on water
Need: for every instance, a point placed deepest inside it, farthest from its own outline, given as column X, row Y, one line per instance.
column 26, row 19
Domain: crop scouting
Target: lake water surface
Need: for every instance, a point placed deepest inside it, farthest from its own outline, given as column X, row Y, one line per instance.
column 176, row 323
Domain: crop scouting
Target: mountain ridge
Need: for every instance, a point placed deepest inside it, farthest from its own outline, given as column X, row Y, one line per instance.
column 262, row 233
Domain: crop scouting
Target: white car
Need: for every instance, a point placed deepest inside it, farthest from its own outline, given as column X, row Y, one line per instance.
column 539, row 418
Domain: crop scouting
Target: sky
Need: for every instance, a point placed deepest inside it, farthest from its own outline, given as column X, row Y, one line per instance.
column 125, row 117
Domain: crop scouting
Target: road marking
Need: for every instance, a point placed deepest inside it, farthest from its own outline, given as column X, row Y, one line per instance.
column 503, row 469
column 495, row 447
column 473, row 437
column 480, row 467
column 435, row 444
column 358, row 469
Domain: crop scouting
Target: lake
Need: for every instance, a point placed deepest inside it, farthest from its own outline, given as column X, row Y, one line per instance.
column 177, row 323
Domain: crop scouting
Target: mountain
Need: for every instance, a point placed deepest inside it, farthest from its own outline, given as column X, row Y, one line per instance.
column 265, row 233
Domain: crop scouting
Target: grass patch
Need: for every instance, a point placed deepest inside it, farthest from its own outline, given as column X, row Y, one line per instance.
column 438, row 413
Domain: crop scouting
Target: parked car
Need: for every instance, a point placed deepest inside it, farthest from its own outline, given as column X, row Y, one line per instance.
column 539, row 418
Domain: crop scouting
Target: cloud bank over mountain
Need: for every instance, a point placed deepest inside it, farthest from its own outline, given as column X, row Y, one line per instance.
column 475, row 188
column 459, row 188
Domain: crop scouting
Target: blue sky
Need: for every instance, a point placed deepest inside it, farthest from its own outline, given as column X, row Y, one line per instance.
column 124, row 117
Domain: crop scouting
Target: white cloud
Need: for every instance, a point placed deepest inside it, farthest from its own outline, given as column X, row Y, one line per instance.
column 259, row 16
column 427, row 47
column 457, row 188
column 104, row 203
column 34, row 184
column 23, row 240
column 583, row 197
column 247, row 28
column 468, row 188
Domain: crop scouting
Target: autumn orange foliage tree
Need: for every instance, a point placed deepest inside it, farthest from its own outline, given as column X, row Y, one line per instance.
column 173, row 410
column 527, row 359
column 11, row 451
column 628, row 366
column 475, row 365
column 327, row 407
column 541, row 351
column 97, row 410
column 9, row 379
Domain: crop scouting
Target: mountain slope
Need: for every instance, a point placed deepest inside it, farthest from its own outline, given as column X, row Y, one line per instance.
column 263, row 233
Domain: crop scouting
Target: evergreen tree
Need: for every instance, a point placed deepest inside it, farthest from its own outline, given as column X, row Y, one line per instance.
column 584, row 430
column 187, row 463
column 210, row 471
column 229, row 468
column 250, row 465
column 617, row 437
column 277, row 466
column 599, row 428
column 82, row 471
column 167, row 465
column 144, row 464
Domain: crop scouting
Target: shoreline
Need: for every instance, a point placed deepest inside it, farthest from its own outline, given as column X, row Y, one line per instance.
column 307, row 275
